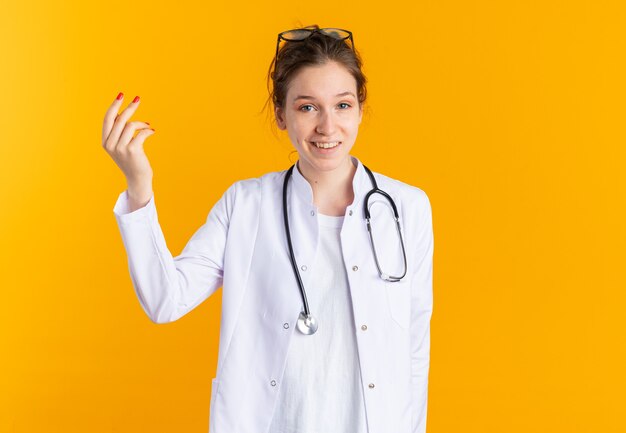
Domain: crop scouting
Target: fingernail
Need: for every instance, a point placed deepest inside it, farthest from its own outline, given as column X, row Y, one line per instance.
column 136, row 99
column 120, row 96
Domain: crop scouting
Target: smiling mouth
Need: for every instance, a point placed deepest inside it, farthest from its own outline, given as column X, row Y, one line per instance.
column 325, row 144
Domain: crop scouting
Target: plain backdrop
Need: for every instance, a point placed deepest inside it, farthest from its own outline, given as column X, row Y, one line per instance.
column 509, row 115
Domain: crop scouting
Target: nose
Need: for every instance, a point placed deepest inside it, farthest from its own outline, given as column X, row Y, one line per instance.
column 326, row 123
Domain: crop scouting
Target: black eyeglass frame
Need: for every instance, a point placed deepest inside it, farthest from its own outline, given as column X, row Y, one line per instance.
column 324, row 31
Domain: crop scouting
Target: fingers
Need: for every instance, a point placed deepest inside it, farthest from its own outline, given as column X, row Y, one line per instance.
column 110, row 116
column 127, row 133
column 113, row 126
column 137, row 142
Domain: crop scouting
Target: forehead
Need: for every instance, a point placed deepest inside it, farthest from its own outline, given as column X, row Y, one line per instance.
column 321, row 81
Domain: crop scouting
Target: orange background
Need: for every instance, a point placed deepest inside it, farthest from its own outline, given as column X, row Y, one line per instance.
column 508, row 114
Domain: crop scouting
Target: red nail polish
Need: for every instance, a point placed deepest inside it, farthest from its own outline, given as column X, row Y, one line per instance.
column 136, row 99
column 120, row 96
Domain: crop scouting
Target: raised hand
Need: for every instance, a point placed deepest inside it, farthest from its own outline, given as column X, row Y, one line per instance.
column 127, row 151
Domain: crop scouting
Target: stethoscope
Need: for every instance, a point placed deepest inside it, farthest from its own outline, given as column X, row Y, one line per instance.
column 307, row 323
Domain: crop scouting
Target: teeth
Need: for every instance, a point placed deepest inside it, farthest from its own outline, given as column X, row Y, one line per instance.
column 326, row 145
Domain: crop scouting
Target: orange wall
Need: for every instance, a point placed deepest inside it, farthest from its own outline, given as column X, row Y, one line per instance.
column 508, row 114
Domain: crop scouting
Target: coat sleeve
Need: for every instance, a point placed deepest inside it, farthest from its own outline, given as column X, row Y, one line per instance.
column 169, row 287
column 422, row 304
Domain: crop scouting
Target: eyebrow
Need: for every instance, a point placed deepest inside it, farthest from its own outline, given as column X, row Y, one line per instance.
column 311, row 97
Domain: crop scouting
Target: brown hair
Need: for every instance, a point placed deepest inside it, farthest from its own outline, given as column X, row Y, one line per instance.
column 316, row 50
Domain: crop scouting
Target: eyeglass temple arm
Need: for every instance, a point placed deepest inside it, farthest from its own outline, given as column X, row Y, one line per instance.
column 278, row 43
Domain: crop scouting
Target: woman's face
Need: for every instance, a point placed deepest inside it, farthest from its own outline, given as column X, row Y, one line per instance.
column 321, row 109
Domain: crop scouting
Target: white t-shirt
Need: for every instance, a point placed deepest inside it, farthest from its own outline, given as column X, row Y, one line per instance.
column 321, row 389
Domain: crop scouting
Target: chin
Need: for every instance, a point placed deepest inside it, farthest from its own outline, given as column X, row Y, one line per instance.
column 327, row 164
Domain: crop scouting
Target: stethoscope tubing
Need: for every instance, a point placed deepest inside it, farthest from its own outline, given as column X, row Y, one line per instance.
column 307, row 324
column 291, row 254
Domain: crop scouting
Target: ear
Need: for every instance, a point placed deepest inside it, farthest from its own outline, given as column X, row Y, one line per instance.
column 280, row 119
column 360, row 112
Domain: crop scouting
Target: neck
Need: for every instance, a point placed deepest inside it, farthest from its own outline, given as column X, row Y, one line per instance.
column 332, row 190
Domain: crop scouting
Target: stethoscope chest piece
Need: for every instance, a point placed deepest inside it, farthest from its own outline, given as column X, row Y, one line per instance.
column 306, row 324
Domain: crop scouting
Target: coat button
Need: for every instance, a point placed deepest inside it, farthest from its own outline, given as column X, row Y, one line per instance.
column 303, row 267
column 273, row 382
column 355, row 268
column 312, row 213
column 364, row 327
column 371, row 385
column 286, row 325
column 350, row 213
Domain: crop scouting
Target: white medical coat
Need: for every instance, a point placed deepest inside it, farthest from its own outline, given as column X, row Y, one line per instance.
column 242, row 247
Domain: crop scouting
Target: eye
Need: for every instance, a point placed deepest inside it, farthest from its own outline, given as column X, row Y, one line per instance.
column 306, row 111
column 344, row 103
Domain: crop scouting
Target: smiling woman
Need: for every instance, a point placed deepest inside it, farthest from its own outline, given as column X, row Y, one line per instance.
column 363, row 367
column 318, row 91
column 324, row 128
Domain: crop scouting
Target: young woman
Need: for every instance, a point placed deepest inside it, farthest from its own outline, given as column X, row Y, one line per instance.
column 326, row 267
